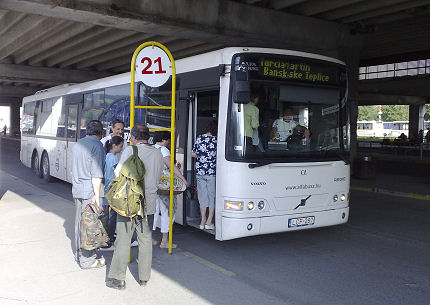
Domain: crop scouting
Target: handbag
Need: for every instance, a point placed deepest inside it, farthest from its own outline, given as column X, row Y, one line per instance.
column 93, row 232
column 164, row 184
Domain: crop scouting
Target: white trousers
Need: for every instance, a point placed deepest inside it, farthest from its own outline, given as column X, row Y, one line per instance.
column 164, row 221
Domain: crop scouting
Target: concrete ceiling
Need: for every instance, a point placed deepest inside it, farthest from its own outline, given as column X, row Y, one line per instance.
column 44, row 43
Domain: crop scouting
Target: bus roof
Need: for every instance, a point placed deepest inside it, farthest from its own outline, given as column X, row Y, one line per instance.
column 193, row 63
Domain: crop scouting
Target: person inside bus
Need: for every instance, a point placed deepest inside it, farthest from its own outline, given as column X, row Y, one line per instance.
column 204, row 150
column 252, row 122
column 112, row 147
column 117, row 128
column 285, row 126
column 162, row 140
column 403, row 137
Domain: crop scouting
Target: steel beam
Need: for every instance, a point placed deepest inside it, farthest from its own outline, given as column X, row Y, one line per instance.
column 407, row 86
column 365, row 98
column 94, row 51
column 69, row 46
column 56, row 37
column 358, row 8
column 48, row 75
column 13, row 91
column 37, row 30
column 310, row 8
column 385, row 10
column 224, row 22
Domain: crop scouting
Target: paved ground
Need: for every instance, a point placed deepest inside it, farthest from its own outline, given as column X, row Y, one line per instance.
column 379, row 257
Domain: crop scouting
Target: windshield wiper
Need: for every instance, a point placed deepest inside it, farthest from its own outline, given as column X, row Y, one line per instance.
column 254, row 165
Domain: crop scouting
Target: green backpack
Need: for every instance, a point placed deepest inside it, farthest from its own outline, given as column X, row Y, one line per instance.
column 127, row 193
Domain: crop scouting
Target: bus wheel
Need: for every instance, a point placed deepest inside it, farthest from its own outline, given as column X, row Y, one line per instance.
column 45, row 168
column 36, row 165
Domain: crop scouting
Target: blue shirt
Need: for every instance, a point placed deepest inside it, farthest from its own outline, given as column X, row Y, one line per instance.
column 205, row 149
column 110, row 164
column 88, row 161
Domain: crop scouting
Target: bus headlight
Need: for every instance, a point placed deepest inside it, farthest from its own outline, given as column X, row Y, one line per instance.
column 342, row 197
column 250, row 205
column 335, row 198
column 233, row 205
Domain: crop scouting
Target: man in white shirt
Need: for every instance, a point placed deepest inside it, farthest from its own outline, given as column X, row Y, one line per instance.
column 284, row 127
column 117, row 129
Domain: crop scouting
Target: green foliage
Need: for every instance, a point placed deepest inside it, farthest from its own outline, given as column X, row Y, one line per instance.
column 389, row 113
column 367, row 113
column 395, row 113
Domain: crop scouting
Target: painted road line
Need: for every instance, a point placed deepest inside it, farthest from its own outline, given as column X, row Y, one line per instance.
column 209, row 264
column 391, row 193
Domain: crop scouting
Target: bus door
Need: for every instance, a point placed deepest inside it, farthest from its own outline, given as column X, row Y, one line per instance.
column 203, row 110
column 72, row 128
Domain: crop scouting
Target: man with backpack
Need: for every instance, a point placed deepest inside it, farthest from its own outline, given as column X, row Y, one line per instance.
column 142, row 221
column 88, row 159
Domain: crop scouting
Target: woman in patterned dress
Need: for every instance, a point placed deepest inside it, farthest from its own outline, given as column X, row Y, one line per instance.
column 204, row 150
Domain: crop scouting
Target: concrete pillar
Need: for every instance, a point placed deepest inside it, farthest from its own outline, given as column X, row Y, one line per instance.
column 14, row 119
column 351, row 58
column 416, row 119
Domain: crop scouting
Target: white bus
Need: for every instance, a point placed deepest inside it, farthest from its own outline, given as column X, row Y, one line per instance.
column 300, row 183
column 373, row 129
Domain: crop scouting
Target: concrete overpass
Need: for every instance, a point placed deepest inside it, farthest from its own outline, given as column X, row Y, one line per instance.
column 47, row 42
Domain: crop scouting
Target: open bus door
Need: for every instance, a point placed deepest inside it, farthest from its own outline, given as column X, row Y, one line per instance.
column 202, row 109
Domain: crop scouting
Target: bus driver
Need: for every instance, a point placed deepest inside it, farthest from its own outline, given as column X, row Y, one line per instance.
column 284, row 127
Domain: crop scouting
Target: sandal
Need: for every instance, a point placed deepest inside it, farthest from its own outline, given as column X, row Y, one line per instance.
column 166, row 246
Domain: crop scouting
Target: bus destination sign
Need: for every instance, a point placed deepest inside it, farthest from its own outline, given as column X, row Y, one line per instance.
column 288, row 68
column 293, row 70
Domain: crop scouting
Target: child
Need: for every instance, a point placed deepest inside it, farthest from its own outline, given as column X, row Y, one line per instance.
column 112, row 147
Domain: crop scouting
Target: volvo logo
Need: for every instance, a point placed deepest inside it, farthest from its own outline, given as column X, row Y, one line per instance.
column 258, row 183
column 303, row 172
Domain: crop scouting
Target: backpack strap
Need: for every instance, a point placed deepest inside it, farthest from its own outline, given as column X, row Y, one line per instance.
column 142, row 204
column 135, row 151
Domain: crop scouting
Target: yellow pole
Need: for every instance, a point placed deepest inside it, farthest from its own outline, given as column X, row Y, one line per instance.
column 172, row 124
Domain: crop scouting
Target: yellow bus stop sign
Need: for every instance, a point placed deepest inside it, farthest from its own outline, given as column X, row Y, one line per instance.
column 153, row 64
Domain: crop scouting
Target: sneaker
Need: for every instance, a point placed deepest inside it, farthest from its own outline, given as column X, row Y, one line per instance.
column 98, row 263
column 202, row 227
column 209, row 227
column 116, row 284
column 108, row 248
column 135, row 243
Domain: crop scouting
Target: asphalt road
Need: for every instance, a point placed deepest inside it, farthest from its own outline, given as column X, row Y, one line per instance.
column 381, row 256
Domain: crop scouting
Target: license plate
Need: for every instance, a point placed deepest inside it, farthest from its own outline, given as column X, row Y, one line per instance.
column 301, row 222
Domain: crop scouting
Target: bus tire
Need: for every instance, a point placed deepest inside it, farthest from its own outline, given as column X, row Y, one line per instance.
column 45, row 168
column 35, row 164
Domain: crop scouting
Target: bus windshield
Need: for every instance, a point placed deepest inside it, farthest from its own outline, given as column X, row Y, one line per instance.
column 297, row 110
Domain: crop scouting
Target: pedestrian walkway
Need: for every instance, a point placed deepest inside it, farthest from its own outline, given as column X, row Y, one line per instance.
column 38, row 267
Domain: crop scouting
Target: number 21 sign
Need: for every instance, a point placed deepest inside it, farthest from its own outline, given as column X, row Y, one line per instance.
column 153, row 66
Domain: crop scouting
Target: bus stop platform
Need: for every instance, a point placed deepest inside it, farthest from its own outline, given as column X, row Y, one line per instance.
column 38, row 267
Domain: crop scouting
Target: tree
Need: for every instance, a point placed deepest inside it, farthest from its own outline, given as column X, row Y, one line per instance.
column 395, row 113
column 367, row 113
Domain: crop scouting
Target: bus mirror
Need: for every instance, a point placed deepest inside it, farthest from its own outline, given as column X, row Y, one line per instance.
column 242, row 92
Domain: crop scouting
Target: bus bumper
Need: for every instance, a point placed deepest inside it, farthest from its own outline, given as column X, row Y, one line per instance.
column 241, row 227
